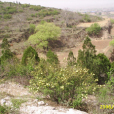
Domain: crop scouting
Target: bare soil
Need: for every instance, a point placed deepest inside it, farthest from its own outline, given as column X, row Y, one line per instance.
column 102, row 46
column 101, row 23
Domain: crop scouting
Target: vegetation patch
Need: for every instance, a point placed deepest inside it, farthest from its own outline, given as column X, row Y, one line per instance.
column 94, row 29
column 17, row 102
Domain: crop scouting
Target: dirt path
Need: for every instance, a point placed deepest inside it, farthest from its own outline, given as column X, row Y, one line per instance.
column 101, row 23
column 0, row 41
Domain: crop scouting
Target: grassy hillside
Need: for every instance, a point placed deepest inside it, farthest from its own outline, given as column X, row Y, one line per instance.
column 15, row 20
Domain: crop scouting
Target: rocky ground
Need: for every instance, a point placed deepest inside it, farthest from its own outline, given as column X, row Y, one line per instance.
column 32, row 103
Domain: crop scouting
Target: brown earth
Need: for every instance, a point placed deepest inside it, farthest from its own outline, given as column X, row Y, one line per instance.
column 101, row 23
column 102, row 46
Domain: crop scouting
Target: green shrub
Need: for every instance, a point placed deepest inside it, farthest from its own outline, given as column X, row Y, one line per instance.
column 81, row 20
column 94, row 29
column 87, row 18
column 29, row 54
column 25, row 5
column 52, row 58
column 17, row 102
column 28, row 18
column 32, row 15
column 12, row 11
column 36, row 8
column 3, row 110
column 32, row 28
column 48, row 12
column 101, row 66
column 20, row 10
column 7, row 16
column 6, row 52
column 1, row 2
column 71, row 60
column 5, row 44
column 12, row 68
column 62, row 84
column 6, row 36
column 97, row 64
column 0, row 16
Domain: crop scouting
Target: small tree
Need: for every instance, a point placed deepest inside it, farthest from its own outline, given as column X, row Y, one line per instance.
column 29, row 54
column 6, row 52
column 101, row 67
column 97, row 64
column 71, row 60
column 5, row 44
column 86, row 56
column 43, row 33
column 94, row 29
column 52, row 58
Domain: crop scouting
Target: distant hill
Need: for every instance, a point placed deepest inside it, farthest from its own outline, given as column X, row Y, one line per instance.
column 15, row 19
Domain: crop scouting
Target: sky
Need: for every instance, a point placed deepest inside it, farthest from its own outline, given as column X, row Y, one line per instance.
column 70, row 4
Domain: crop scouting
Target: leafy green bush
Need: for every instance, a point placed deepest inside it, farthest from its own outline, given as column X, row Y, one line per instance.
column 1, row 2
column 11, row 10
column 7, row 16
column 29, row 54
column 97, row 64
column 20, row 10
column 87, row 18
column 32, row 15
column 51, row 57
column 17, row 102
column 0, row 16
column 101, row 66
column 25, row 5
column 28, row 18
column 3, row 110
column 48, row 12
column 13, row 68
column 6, row 52
column 5, row 44
column 44, row 32
column 36, row 8
column 62, row 84
column 71, row 60
column 32, row 28
column 94, row 29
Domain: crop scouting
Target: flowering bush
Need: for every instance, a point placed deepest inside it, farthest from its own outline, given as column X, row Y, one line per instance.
column 62, row 84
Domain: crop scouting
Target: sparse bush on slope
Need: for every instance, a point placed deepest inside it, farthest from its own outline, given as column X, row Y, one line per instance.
column 62, row 84
column 71, row 60
column 52, row 57
column 94, row 29
column 29, row 54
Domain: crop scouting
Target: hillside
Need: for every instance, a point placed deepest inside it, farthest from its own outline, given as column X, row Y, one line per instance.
column 70, row 74
column 15, row 20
